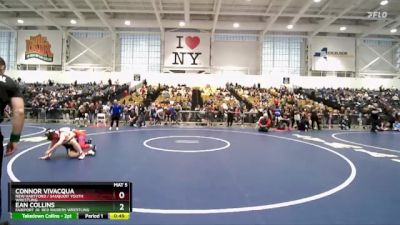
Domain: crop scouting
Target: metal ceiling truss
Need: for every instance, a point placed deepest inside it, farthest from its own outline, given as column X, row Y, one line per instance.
column 186, row 7
column 216, row 15
column 158, row 17
column 329, row 21
column 101, row 16
column 74, row 10
column 7, row 26
column 302, row 11
column 272, row 20
column 269, row 13
column 379, row 25
column 44, row 16
column 223, row 13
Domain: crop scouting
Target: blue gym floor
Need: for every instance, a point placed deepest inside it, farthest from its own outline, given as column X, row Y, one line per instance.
column 229, row 176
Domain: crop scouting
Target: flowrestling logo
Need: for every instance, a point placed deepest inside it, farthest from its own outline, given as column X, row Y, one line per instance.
column 324, row 53
column 38, row 47
column 377, row 14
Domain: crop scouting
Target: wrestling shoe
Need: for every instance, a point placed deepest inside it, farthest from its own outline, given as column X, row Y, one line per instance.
column 82, row 156
column 91, row 152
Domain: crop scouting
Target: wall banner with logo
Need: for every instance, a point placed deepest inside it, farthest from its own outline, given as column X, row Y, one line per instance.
column 333, row 53
column 39, row 47
column 186, row 50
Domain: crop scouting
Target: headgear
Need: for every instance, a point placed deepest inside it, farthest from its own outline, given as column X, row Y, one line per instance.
column 51, row 134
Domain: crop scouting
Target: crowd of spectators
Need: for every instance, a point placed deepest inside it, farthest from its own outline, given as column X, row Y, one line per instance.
column 52, row 99
column 362, row 102
column 287, row 108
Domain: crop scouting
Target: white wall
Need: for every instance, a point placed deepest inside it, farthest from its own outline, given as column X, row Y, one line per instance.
column 204, row 79
column 244, row 54
column 103, row 47
column 366, row 55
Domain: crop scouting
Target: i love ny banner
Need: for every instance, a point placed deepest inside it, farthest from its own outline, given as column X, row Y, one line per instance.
column 187, row 50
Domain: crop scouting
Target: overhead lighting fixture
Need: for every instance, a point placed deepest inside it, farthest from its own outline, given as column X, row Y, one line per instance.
column 316, row 1
column 384, row 2
column 290, row 26
column 127, row 22
column 394, row 30
column 20, row 21
column 182, row 23
column 72, row 21
column 236, row 25
column 343, row 28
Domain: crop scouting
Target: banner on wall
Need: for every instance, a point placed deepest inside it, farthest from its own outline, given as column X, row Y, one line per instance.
column 136, row 77
column 286, row 80
column 186, row 50
column 39, row 47
column 333, row 54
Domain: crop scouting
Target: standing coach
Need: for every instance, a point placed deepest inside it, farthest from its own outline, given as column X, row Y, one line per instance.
column 115, row 111
column 10, row 94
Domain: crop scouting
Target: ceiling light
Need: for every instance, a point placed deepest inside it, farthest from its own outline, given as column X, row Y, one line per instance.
column 20, row 21
column 182, row 23
column 72, row 21
column 316, row 1
column 384, row 2
column 290, row 26
column 236, row 25
column 394, row 30
column 127, row 22
column 343, row 28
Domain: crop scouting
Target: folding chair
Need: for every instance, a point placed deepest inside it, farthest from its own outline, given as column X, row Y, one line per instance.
column 101, row 119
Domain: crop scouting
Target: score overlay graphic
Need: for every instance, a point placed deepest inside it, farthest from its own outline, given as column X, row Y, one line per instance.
column 69, row 201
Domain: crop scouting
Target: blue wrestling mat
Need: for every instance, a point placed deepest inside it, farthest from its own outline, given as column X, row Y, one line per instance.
column 228, row 176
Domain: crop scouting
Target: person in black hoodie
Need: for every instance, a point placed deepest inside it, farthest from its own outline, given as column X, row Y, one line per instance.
column 315, row 119
column 374, row 115
column 230, row 115
column 10, row 94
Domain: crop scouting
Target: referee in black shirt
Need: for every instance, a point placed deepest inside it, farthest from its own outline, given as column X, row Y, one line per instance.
column 10, row 94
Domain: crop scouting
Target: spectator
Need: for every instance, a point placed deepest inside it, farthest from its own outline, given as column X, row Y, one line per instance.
column 264, row 123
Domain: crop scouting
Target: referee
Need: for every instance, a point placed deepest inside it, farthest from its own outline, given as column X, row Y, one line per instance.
column 10, row 94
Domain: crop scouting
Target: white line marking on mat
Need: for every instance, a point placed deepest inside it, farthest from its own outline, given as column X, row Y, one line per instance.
column 187, row 141
column 355, row 143
column 146, row 144
column 344, row 184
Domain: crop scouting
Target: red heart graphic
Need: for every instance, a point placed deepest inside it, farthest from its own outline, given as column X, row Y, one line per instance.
column 192, row 42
